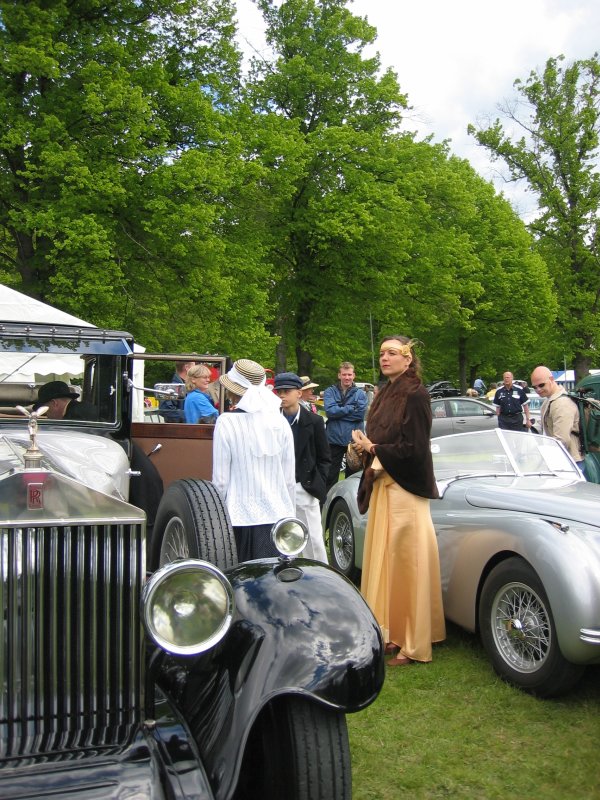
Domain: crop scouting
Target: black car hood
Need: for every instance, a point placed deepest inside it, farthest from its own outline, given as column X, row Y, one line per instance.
column 577, row 501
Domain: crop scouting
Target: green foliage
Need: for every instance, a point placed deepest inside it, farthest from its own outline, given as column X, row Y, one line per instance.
column 119, row 164
column 489, row 291
column 557, row 155
column 380, row 233
column 144, row 185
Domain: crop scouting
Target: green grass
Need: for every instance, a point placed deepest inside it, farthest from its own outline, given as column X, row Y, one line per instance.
column 452, row 729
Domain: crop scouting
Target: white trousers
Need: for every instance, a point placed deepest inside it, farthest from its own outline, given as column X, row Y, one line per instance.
column 309, row 512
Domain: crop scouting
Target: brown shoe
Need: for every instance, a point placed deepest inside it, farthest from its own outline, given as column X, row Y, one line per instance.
column 399, row 661
column 391, row 649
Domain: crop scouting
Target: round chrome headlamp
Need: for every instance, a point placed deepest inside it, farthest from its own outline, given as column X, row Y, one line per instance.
column 187, row 606
column 289, row 536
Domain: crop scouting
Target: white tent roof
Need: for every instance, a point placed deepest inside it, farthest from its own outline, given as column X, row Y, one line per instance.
column 42, row 367
column 17, row 307
column 36, row 367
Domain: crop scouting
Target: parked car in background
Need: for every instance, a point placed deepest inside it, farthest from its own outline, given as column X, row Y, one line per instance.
column 535, row 403
column 535, row 411
column 442, row 389
column 518, row 531
column 138, row 658
column 461, row 415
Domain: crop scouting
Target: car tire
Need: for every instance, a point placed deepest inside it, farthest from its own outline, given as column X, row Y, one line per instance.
column 518, row 631
column 342, row 547
column 297, row 750
column 191, row 522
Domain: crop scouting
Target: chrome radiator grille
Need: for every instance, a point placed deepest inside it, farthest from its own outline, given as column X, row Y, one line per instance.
column 71, row 648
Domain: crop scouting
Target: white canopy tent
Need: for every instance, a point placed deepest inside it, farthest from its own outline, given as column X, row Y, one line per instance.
column 17, row 307
column 36, row 368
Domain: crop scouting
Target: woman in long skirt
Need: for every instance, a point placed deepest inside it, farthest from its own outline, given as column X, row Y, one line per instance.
column 401, row 572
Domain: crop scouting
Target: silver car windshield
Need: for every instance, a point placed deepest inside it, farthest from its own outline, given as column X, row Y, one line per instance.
column 499, row 452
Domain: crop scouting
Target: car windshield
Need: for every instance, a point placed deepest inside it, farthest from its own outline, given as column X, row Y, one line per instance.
column 91, row 379
column 497, row 452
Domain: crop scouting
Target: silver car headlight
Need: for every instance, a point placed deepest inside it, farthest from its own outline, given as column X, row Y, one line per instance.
column 289, row 536
column 187, row 606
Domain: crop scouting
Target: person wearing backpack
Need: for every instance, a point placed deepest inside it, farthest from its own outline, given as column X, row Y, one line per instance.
column 559, row 414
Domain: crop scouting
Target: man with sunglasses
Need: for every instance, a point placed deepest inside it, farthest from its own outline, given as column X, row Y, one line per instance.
column 559, row 414
column 511, row 403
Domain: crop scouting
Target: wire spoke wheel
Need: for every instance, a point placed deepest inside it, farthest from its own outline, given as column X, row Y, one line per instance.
column 521, row 627
column 518, row 631
column 174, row 544
column 341, row 540
column 191, row 522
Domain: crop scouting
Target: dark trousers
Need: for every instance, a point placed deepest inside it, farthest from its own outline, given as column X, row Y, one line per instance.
column 510, row 423
column 338, row 451
column 254, row 541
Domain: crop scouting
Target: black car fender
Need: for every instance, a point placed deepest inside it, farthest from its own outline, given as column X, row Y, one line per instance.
column 299, row 628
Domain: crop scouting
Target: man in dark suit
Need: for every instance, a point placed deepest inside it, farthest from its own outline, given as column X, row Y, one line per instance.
column 313, row 460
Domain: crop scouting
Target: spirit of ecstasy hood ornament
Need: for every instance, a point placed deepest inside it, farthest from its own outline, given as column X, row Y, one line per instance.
column 33, row 455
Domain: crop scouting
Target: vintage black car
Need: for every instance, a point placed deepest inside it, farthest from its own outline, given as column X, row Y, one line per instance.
column 442, row 389
column 138, row 659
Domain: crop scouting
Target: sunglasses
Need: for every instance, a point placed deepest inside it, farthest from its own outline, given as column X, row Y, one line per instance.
column 538, row 385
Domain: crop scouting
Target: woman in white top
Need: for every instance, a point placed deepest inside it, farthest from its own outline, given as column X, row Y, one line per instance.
column 253, row 460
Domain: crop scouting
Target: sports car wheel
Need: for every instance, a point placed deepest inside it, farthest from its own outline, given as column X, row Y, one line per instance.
column 341, row 540
column 518, row 631
column 191, row 522
column 297, row 750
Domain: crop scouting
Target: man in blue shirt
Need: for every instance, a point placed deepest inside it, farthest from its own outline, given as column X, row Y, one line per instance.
column 345, row 405
column 511, row 401
column 479, row 386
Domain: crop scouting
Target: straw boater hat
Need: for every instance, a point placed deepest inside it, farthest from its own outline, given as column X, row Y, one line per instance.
column 307, row 383
column 244, row 368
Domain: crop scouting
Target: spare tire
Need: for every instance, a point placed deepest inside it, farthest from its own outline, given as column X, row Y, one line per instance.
column 191, row 522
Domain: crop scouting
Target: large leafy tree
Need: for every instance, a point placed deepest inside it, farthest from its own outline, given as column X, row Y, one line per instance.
column 375, row 232
column 555, row 149
column 120, row 168
column 488, row 291
column 464, row 277
column 335, row 112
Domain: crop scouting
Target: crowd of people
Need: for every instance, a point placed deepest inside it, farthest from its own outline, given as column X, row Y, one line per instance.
column 275, row 457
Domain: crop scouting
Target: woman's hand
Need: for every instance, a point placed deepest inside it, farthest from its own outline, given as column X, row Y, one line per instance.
column 361, row 442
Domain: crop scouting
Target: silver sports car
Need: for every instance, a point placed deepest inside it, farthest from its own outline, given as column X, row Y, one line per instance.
column 518, row 531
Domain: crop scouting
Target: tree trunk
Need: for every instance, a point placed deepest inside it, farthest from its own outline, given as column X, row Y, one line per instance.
column 305, row 361
column 280, row 357
column 462, row 364
column 581, row 364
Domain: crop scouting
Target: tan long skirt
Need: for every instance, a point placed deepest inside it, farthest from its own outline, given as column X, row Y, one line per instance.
column 401, row 570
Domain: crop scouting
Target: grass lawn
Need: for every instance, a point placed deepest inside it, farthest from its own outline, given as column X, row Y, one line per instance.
column 452, row 729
